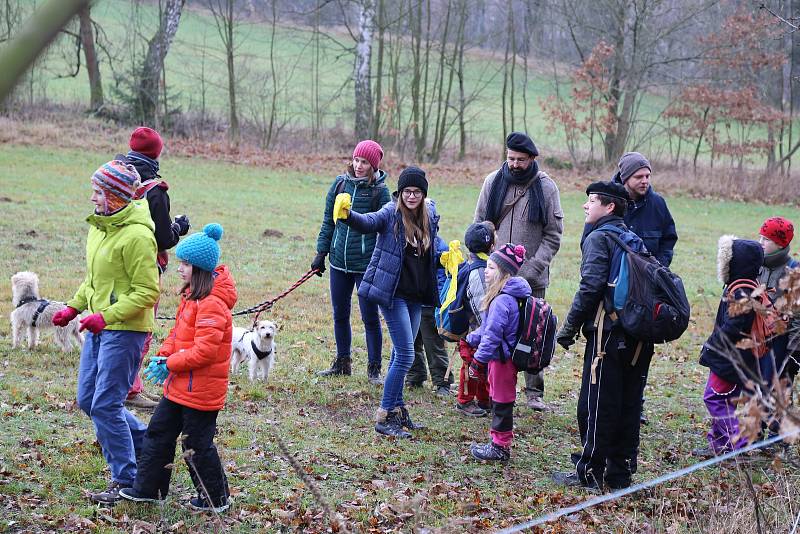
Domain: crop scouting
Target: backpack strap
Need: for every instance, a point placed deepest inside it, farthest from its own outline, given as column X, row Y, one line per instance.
column 143, row 189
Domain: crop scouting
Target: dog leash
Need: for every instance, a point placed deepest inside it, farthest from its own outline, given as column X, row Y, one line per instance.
column 262, row 306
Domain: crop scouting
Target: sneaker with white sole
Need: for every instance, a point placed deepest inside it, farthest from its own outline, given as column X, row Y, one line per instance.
column 200, row 503
column 108, row 496
column 132, row 495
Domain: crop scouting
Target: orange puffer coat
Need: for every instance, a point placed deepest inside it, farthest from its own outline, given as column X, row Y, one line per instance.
column 198, row 347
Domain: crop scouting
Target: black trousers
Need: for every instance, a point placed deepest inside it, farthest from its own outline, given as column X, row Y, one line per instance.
column 609, row 408
column 169, row 420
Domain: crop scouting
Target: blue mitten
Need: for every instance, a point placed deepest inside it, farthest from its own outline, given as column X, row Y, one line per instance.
column 156, row 371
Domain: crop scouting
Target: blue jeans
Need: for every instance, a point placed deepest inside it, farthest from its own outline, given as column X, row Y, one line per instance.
column 109, row 363
column 342, row 284
column 402, row 319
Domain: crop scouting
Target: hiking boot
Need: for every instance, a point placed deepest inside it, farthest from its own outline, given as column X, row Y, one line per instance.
column 490, row 452
column 536, row 404
column 340, row 366
column 132, row 495
column 704, row 453
column 374, row 374
column 406, row 422
column 140, row 402
column 200, row 503
column 572, row 480
column 110, row 495
column 486, row 407
column 151, row 396
column 389, row 424
column 471, row 409
column 443, row 391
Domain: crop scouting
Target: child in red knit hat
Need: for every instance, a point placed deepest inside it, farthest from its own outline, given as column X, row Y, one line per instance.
column 145, row 149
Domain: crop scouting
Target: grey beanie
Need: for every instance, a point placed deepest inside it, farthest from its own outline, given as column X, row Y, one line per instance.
column 631, row 162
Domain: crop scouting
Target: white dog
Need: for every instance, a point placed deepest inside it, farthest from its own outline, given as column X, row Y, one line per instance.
column 257, row 346
column 33, row 313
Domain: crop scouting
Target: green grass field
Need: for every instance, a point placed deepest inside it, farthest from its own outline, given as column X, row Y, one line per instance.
column 47, row 455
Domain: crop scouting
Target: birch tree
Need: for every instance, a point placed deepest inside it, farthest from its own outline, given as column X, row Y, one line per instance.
column 361, row 70
column 153, row 65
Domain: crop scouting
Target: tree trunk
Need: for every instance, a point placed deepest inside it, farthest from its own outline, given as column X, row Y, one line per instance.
column 92, row 64
column 361, row 70
column 376, row 117
column 157, row 49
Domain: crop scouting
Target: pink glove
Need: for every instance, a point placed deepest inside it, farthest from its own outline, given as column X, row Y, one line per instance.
column 63, row 317
column 94, row 323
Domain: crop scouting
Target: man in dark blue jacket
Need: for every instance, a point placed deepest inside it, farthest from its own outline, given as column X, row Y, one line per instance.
column 647, row 215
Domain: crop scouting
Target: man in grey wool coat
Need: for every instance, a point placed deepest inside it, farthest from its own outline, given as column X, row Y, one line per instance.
column 524, row 205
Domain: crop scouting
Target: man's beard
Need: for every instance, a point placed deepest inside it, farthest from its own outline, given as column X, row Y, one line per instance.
column 518, row 171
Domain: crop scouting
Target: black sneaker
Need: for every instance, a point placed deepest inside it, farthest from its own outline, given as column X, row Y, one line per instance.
column 391, row 426
column 132, row 495
column 572, row 480
column 490, row 452
column 406, row 422
column 443, row 391
column 110, row 495
column 200, row 503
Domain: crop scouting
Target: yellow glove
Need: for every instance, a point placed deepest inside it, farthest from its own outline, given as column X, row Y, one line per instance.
column 450, row 260
column 341, row 207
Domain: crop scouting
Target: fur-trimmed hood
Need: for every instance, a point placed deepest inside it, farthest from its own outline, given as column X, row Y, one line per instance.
column 738, row 258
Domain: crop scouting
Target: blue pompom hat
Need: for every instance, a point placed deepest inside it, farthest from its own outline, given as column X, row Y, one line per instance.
column 201, row 249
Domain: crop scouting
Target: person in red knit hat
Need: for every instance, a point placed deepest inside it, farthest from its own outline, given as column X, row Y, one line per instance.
column 775, row 236
column 350, row 252
column 145, row 149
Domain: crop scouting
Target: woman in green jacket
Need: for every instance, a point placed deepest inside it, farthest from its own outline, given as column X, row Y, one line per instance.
column 350, row 252
column 119, row 291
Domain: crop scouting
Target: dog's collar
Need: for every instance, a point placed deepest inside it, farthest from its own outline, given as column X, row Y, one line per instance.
column 260, row 354
column 28, row 300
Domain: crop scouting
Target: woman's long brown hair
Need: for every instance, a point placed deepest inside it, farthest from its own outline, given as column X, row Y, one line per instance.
column 200, row 285
column 416, row 224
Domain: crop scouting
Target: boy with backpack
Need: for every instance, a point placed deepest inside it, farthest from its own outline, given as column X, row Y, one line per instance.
column 615, row 364
column 145, row 149
column 738, row 263
column 473, row 394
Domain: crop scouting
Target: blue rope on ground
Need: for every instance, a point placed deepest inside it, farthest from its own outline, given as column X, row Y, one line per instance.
column 644, row 485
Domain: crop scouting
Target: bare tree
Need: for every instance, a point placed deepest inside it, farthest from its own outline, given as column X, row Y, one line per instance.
column 225, row 20
column 157, row 48
column 361, row 70
column 96, row 100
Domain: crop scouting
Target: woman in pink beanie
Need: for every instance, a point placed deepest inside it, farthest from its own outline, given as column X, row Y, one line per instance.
column 350, row 252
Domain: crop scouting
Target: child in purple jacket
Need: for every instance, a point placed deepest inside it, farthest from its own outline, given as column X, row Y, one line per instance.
column 495, row 339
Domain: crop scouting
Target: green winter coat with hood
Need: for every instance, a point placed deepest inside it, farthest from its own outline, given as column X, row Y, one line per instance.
column 121, row 272
column 350, row 250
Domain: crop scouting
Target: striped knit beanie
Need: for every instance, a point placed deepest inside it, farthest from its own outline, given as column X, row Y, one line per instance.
column 509, row 258
column 201, row 248
column 119, row 182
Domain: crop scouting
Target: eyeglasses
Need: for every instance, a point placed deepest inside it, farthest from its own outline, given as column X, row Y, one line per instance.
column 518, row 160
column 412, row 192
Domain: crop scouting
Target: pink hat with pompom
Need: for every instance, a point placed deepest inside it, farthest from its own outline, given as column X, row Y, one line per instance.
column 509, row 257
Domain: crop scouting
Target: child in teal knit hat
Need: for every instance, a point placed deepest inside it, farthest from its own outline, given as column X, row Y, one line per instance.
column 192, row 364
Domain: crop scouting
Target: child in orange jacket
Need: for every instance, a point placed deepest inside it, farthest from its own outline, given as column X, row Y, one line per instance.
column 193, row 364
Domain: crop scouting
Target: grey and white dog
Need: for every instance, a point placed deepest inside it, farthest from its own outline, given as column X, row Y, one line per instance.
column 257, row 346
column 33, row 313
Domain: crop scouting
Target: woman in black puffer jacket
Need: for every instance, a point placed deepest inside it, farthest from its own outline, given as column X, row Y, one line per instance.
column 350, row 252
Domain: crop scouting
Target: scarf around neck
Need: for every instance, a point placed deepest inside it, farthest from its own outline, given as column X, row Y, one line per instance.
column 777, row 258
column 502, row 180
column 147, row 167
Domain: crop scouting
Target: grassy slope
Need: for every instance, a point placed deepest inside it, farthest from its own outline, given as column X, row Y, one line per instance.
column 46, row 452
